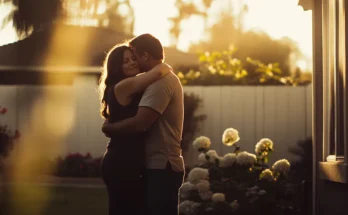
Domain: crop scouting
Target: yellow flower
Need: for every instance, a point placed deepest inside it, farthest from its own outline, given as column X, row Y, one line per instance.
column 181, row 75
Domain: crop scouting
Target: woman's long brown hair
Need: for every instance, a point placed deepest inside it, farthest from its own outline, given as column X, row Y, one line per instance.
column 111, row 74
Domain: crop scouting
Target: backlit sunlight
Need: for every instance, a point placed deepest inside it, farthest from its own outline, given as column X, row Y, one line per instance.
column 56, row 112
column 52, row 117
column 279, row 18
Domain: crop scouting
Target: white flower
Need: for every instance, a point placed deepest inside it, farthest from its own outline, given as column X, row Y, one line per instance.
column 228, row 160
column 230, row 137
column 218, row 197
column 267, row 174
column 246, row 158
column 234, row 205
column 206, row 195
column 197, row 174
column 203, row 186
column 281, row 166
column 263, row 144
column 188, row 207
column 202, row 159
column 262, row 192
column 212, row 156
column 186, row 188
column 201, row 142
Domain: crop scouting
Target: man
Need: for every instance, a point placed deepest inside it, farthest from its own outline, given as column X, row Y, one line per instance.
column 161, row 114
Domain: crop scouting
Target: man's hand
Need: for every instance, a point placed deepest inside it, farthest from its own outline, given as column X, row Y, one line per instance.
column 144, row 118
column 106, row 128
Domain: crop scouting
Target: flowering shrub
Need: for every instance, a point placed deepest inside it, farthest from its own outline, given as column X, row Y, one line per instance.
column 72, row 165
column 223, row 68
column 7, row 136
column 78, row 165
column 238, row 182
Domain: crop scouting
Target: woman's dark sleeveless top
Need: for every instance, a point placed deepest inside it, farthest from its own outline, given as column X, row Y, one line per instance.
column 130, row 146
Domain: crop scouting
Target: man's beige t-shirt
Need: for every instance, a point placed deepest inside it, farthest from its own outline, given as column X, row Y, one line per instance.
column 163, row 141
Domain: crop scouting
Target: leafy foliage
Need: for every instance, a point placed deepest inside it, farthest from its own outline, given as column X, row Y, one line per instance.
column 32, row 15
column 191, row 120
column 302, row 171
column 7, row 136
column 78, row 165
column 228, row 31
column 302, row 168
column 29, row 16
column 223, row 68
column 186, row 9
column 7, row 140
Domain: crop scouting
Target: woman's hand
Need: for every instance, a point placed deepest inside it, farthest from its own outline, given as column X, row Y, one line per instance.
column 126, row 88
column 164, row 69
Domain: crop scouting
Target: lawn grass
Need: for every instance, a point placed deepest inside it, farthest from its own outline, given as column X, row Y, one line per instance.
column 57, row 200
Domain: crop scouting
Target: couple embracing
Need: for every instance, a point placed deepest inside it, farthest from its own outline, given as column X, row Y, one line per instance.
column 142, row 104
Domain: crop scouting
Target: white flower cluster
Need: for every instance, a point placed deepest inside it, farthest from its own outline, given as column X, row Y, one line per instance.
column 263, row 145
column 246, row 159
column 202, row 158
column 206, row 195
column 228, row 160
column 201, row 143
column 188, row 207
column 197, row 174
column 186, row 188
column 267, row 175
column 230, row 137
column 203, row 186
column 281, row 166
column 212, row 156
column 198, row 177
column 218, row 197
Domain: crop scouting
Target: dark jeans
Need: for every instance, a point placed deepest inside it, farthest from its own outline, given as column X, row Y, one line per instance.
column 162, row 189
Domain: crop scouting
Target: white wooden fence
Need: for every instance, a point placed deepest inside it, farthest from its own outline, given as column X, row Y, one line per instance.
column 280, row 113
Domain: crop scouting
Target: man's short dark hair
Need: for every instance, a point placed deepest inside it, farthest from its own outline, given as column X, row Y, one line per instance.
column 148, row 43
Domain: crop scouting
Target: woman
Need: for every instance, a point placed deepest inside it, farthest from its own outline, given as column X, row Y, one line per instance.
column 123, row 163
